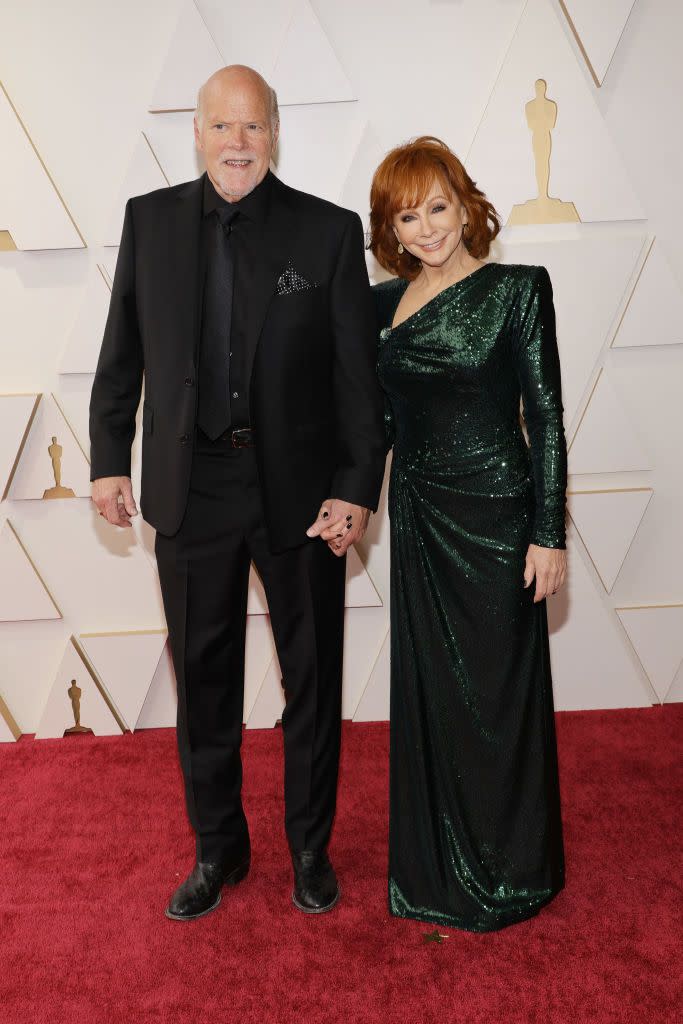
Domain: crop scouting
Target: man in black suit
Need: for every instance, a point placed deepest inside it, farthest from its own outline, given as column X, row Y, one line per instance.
column 247, row 306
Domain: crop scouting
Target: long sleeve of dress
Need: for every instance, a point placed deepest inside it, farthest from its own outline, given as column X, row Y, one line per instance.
column 538, row 367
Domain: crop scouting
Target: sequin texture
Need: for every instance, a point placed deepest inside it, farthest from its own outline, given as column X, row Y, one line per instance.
column 291, row 280
column 475, row 831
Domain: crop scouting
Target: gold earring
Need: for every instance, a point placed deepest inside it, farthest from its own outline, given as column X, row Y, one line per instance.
column 400, row 249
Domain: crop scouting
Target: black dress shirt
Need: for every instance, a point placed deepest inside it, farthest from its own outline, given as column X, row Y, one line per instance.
column 245, row 240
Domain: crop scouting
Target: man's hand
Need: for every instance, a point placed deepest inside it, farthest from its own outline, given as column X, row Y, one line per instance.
column 549, row 566
column 113, row 497
column 339, row 523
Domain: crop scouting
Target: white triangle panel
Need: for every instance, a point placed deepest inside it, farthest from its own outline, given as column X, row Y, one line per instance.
column 192, row 58
column 83, row 346
column 657, row 636
column 360, row 590
column 161, row 703
column 373, row 705
column 270, row 700
column 355, row 193
column 171, row 138
column 598, row 268
column 23, row 595
column 9, row 730
column 607, row 522
column 126, row 665
column 59, row 712
column 364, row 633
column 144, row 175
column 605, row 441
column 585, row 168
column 31, row 209
column 35, row 473
column 598, row 28
column 15, row 414
column 592, row 663
column 256, row 602
column 248, row 33
column 654, row 315
column 675, row 694
column 320, row 169
column 307, row 69
column 258, row 659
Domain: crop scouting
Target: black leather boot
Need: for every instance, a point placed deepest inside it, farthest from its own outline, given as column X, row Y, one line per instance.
column 200, row 893
column 316, row 889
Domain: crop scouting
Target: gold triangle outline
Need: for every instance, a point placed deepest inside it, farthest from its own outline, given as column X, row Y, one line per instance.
column 612, row 490
column 92, row 671
column 37, row 572
column 122, row 633
column 22, row 443
column 643, row 264
column 647, row 607
column 10, row 720
column 42, row 164
column 7, row 243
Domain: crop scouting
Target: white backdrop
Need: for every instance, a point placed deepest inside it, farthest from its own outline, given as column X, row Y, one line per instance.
column 96, row 106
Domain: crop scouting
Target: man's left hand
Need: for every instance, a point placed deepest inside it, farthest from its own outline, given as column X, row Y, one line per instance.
column 340, row 524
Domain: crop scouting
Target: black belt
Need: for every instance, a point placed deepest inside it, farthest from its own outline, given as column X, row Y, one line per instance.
column 243, row 437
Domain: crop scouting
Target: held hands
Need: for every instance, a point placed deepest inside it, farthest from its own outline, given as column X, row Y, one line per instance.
column 113, row 497
column 549, row 566
column 339, row 523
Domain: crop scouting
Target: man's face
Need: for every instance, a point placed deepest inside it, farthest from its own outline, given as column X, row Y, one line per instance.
column 234, row 132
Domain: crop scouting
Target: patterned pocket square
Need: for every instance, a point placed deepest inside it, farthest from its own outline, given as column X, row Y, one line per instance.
column 291, row 280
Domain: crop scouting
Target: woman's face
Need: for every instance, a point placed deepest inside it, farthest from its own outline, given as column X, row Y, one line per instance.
column 431, row 231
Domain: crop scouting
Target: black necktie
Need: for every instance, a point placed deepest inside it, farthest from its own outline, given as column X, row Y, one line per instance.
column 213, row 414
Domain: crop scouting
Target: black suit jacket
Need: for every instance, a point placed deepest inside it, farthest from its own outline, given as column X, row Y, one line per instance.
column 315, row 404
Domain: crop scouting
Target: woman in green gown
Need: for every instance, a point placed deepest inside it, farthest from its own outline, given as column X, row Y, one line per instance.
column 477, row 538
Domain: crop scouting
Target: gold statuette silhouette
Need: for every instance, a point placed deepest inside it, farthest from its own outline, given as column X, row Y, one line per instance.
column 541, row 115
column 55, row 452
column 75, row 692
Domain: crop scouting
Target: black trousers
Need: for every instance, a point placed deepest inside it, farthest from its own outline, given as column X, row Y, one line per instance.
column 204, row 573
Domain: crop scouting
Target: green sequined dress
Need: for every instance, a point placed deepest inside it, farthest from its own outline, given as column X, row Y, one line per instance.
column 475, row 830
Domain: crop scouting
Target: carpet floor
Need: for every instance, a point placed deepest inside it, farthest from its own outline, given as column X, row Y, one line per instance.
column 94, row 838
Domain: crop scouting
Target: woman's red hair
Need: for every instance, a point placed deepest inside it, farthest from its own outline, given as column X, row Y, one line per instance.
column 403, row 180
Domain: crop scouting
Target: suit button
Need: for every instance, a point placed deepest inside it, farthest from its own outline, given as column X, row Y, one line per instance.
column 189, row 381
column 184, row 438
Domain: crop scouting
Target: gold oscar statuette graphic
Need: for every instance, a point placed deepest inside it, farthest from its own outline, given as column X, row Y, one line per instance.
column 541, row 115
column 55, row 451
column 75, row 692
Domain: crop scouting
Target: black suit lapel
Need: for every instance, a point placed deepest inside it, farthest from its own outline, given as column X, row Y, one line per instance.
column 277, row 243
column 186, row 262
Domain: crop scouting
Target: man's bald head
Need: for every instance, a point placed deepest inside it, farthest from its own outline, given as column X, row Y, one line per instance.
column 236, row 129
column 238, row 75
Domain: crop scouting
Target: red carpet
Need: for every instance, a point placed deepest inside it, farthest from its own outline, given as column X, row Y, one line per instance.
column 94, row 838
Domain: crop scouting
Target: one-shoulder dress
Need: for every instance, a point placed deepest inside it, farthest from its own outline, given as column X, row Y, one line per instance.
column 475, row 838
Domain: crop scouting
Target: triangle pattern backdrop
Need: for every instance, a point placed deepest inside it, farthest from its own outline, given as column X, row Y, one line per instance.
column 606, row 441
column 27, row 598
column 59, row 713
column 654, row 314
column 35, row 473
column 16, row 414
column 584, row 168
column 126, row 664
column 598, row 29
column 144, row 174
column 83, row 346
column 657, row 636
column 607, row 522
column 31, row 209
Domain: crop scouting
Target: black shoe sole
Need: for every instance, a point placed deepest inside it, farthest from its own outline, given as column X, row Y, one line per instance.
column 316, row 910
column 233, row 878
